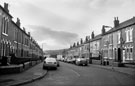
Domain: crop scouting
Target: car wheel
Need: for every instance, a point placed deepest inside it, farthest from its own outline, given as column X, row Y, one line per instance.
column 55, row 68
column 86, row 64
column 58, row 65
column 43, row 67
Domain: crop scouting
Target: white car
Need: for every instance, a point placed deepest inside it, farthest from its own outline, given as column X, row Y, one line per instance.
column 50, row 63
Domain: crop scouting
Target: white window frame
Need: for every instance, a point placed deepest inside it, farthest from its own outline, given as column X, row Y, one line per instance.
column 126, row 35
column 131, row 34
column 119, row 34
column 5, row 21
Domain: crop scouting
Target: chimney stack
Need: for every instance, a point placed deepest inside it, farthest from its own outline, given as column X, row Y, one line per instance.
column 24, row 29
column 92, row 35
column 6, row 7
column 18, row 22
column 116, row 21
column 103, row 30
column 29, row 33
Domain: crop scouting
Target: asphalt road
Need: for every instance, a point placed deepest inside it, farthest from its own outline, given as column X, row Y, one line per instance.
column 72, row 75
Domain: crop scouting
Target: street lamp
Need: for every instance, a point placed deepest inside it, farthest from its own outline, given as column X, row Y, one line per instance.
column 90, row 61
column 121, row 47
column 43, row 49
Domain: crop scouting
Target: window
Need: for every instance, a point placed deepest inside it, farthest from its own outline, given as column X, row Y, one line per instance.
column 131, row 54
column 15, row 35
column 4, row 25
column 129, row 34
column 126, row 35
column 119, row 37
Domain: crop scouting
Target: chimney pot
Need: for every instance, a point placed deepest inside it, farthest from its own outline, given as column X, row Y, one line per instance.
column 117, row 18
column 6, row 7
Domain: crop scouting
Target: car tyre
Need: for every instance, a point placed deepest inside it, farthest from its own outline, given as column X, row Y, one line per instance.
column 55, row 68
column 43, row 67
column 58, row 65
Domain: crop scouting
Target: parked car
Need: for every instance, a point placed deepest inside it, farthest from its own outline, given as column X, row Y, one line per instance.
column 65, row 59
column 81, row 61
column 73, row 60
column 50, row 63
column 69, row 60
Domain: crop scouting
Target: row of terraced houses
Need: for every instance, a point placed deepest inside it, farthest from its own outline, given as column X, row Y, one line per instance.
column 117, row 44
column 15, row 42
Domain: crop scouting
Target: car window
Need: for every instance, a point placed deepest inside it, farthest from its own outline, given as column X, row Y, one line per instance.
column 50, row 59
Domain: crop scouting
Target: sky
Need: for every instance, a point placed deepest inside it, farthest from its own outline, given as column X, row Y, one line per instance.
column 57, row 24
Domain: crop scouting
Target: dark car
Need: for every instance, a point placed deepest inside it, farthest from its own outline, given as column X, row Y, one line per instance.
column 81, row 61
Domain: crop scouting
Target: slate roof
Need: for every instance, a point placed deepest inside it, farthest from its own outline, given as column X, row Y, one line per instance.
column 122, row 25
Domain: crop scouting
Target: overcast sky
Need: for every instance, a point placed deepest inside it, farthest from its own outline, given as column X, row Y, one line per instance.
column 56, row 24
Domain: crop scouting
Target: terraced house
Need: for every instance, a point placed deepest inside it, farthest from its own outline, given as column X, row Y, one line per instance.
column 118, row 43
column 15, row 43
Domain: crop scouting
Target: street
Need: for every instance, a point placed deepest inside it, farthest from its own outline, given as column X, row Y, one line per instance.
column 72, row 75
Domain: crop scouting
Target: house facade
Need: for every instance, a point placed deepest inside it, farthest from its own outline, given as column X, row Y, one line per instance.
column 15, row 41
column 118, row 43
column 95, row 46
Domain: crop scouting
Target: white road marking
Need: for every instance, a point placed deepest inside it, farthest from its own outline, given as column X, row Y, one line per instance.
column 75, row 72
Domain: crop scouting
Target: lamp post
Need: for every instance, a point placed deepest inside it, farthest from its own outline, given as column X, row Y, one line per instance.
column 43, row 49
column 90, row 61
column 121, row 48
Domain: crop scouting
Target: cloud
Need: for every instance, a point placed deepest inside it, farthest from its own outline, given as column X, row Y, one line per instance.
column 53, row 38
column 69, row 16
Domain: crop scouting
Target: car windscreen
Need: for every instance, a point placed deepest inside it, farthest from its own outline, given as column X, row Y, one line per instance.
column 50, row 59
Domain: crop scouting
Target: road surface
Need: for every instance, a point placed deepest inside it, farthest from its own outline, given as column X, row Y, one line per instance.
column 72, row 75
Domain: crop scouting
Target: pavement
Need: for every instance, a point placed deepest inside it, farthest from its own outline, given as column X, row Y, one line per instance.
column 30, row 75
column 125, row 70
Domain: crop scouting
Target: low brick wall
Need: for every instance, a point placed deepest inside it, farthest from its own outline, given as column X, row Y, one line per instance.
column 26, row 65
column 34, row 63
column 17, row 68
column 98, row 62
column 130, row 65
column 38, row 61
column 11, row 69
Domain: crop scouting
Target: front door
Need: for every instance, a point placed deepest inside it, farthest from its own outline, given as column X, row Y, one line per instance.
column 119, row 54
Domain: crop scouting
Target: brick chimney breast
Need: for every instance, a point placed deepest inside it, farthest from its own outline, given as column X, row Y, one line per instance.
column 116, row 21
column 18, row 22
column 103, row 30
column 6, row 7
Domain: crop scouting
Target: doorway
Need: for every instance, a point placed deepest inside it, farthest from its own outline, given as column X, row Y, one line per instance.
column 119, row 54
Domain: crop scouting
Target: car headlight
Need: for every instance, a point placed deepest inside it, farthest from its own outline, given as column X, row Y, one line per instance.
column 79, row 60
